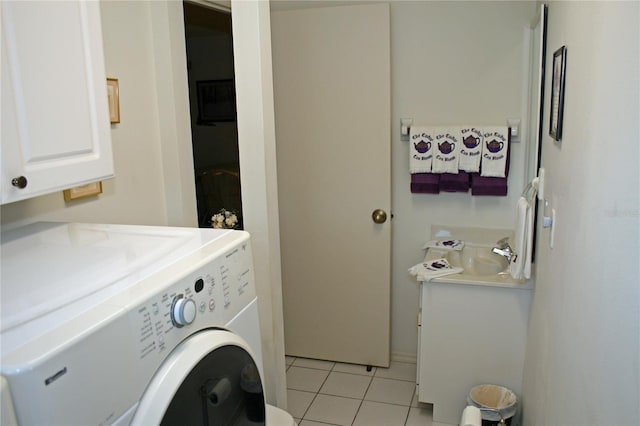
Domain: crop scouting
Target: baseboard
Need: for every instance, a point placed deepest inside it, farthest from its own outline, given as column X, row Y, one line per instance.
column 404, row 357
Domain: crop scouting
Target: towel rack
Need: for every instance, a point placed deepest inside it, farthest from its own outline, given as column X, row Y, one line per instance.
column 512, row 123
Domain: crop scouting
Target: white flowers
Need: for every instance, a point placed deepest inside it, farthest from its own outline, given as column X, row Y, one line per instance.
column 225, row 219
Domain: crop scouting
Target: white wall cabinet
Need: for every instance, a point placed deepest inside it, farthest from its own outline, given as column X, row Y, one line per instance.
column 55, row 118
column 469, row 335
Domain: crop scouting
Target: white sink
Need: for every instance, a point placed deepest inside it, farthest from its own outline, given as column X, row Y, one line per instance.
column 479, row 265
column 475, row 259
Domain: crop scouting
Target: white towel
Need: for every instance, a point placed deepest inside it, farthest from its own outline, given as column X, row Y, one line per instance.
column 470, row 149
column 426, row 271
column 446, row 150
column 516, row 268
column 449, row 244
column 494, row 151
column 421, row 143
column 529, row 241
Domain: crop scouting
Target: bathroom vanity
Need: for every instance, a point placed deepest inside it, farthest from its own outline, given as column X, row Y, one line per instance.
column 472, row 325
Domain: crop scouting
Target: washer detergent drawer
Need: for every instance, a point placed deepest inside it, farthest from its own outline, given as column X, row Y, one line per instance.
column 90, row 382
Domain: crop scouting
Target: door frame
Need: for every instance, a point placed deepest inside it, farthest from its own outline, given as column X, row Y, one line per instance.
column 256, row 143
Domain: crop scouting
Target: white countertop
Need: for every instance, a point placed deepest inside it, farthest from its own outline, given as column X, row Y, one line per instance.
column 478, row 236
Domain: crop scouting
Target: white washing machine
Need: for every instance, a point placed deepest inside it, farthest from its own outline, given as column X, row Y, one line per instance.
column 117, row 324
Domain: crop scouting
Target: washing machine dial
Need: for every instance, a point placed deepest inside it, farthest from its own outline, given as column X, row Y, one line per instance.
column 183, row 311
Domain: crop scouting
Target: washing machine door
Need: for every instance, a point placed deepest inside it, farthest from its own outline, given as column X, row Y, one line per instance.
column 209, row 379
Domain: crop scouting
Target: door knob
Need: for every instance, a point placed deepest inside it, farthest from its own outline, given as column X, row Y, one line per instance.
column 19, row 182
column 379, row 216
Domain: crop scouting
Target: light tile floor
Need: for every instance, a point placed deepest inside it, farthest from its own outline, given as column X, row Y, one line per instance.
column 322, row 393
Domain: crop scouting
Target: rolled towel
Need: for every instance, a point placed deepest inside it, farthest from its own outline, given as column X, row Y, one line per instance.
column 426, row 271
column 495, row 148
column 421, row 142
column 470, row 149
column 446, row 150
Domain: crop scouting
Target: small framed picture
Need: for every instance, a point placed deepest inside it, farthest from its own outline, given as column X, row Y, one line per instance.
column 557, row 93
column 83, row 191
column 216, row 101
column 114, row 100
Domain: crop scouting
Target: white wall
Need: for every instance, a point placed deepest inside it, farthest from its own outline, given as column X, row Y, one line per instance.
column 172, row 89
column 451, row 63
column 138, row 194
column 582, row 365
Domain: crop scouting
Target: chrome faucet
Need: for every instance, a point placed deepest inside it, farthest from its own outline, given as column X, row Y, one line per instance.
column 503, row 249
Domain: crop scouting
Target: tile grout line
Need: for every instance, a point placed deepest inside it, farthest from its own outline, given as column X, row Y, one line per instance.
column 361, row 400
column 332, row 370
column 363, row 397
column 317, row 393
column 406, row 419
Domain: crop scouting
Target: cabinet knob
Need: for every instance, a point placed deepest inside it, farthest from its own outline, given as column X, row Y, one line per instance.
column 19, row 182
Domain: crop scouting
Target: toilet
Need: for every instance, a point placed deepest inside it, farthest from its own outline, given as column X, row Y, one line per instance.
column 278, row 417
column 471, row 416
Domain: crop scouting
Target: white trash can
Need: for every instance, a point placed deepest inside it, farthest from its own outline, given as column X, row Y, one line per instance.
column 495, row 402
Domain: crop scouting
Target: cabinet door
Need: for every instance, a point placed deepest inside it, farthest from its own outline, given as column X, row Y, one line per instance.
column 55, row 118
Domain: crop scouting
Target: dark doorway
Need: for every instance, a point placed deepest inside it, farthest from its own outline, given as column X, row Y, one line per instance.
column 209, row 47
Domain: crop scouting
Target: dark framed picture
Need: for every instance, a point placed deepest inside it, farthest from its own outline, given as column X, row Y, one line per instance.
column 216, row 101
column 557, row 93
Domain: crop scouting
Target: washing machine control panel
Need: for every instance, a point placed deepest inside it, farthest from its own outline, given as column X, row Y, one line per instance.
column 207, row 297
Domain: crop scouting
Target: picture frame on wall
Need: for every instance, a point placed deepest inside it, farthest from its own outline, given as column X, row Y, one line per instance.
column 557, row 93
column 82, row 191
column 216, row 101
column 113, row 96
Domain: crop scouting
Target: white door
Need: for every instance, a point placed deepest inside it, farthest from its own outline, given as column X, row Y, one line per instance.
column 55, row 118
column 332, row 107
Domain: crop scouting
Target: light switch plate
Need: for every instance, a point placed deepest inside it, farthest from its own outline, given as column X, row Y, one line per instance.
column 514, row 124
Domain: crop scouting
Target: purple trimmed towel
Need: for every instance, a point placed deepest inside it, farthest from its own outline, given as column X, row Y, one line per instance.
column 454, row 183
column 497, row 186
column 425, row 183
column 488, row 185
column 495, row 148
column 508, row 160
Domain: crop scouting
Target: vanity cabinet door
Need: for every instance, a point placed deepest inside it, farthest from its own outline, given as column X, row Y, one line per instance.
column 470, row 335
column 55, row 119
